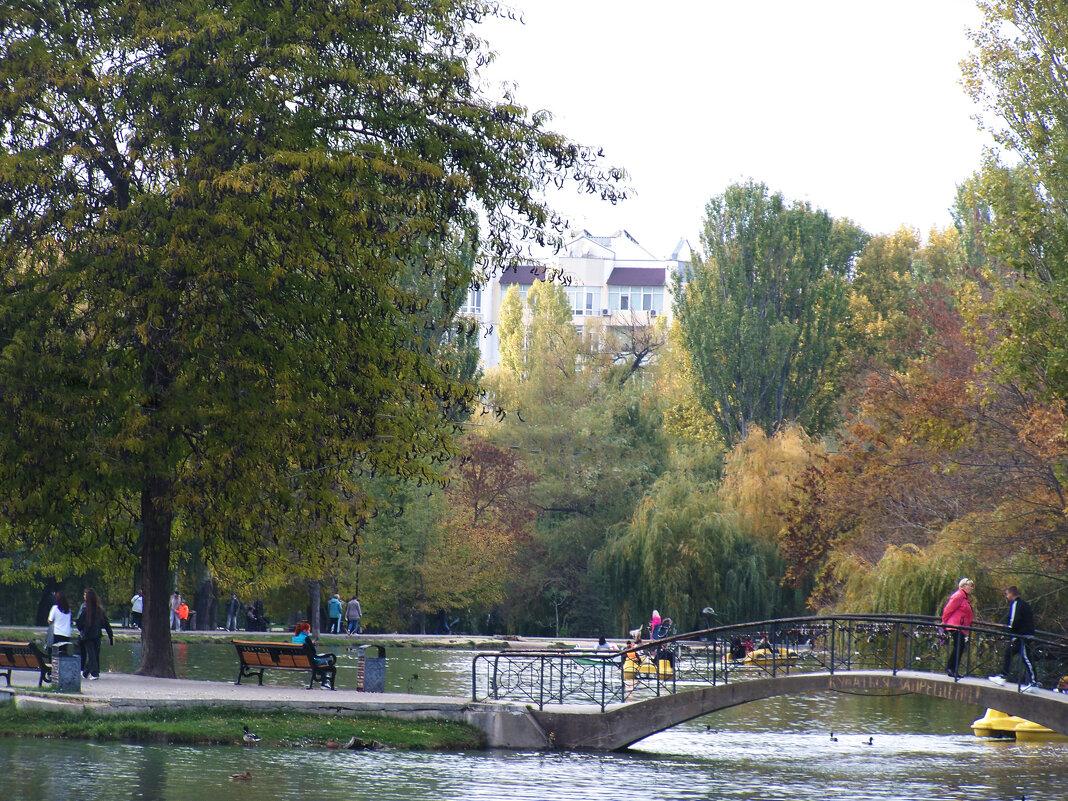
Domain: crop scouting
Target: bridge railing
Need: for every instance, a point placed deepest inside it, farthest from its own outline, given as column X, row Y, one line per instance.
column 831, row 643
column 858, row 642
column 553, row 677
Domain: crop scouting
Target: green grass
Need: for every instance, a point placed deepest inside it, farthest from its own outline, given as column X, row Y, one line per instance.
column 222, row 725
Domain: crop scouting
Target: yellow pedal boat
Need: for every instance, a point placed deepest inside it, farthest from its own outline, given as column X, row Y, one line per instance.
column 1002, row 726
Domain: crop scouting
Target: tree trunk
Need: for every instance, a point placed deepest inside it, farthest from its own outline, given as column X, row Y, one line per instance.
column 205, row 603
column 315, row 596
column 156, row 656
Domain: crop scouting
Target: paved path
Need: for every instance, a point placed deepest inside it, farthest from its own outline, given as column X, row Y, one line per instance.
column 127, row 689
column 505, row 725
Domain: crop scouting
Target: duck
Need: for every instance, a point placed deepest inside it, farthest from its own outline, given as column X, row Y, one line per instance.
column 332, row 743
column 249, row 737
column 871, row 741
column 241, row 777
column 833, row 738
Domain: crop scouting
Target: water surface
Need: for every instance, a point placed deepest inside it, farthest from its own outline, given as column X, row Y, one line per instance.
column 921, row 749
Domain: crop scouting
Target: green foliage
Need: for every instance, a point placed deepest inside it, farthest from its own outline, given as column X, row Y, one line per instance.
column 684, row 550
column 211, row 219
column 593, row 445
column 512, row 334
column 1017, row 72
column 909, row 580
column 762, row 317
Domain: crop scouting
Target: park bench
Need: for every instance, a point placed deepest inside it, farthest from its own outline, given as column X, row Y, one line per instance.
column 256, row 656
column 24, row 656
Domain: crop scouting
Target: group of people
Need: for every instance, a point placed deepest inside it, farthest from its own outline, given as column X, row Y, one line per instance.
column 350, row 611
column 179, row 612
column 91, row 622
column 957, row 616
column 255, row 618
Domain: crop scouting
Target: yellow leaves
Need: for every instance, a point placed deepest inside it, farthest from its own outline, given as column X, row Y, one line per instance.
column 759, row 473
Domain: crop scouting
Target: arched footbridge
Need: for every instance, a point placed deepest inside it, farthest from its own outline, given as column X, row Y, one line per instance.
column 602, row 701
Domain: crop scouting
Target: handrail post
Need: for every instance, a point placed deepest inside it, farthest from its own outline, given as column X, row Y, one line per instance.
column 832, row 638
column 897, row 632
column 603, row 681
column 541, row 682
column 908, row 644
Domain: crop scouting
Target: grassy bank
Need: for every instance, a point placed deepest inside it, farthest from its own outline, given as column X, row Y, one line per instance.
column 223, row 726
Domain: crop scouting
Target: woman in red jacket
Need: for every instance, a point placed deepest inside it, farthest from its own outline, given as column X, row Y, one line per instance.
column 956, row 616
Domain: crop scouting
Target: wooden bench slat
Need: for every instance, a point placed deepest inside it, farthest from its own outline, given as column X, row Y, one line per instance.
column 23, row 656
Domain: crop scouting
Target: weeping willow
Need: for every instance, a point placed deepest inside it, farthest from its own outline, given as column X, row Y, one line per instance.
column 684, row 550
column 911, row 580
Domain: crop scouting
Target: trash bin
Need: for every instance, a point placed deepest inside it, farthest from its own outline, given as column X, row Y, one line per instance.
column 68, row 673
column 371, row 670
column 191, row 624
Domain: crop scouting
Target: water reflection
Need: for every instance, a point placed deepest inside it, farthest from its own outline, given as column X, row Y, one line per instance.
column 408, row 670
column 780, row 748
column 716, row 757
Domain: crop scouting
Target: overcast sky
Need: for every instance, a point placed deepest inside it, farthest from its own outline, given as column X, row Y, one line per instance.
column 853, row 105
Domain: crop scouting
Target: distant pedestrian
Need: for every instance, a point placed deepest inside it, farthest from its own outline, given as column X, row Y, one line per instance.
column 137, row 608
column 334, row 608
column 233, row 606
column 92, row 623
column 353, row 613
column 59, row 618
column 183, row 616
column 176, row 601
column 654, row 625
column 957, row 615
column 1021, row 622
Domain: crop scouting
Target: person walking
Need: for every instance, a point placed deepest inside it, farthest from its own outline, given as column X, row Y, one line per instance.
column 233, row 606
column 957, row 615
column 92, row 623
column 59, row 617
column 334, row 608
column 353, row 613
column 1021, row 621
column 137, row 608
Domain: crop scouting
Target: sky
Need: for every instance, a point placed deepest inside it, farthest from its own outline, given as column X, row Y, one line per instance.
column 855, row 106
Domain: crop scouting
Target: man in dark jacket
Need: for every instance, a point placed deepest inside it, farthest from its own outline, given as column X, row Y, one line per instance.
column 1022, row 623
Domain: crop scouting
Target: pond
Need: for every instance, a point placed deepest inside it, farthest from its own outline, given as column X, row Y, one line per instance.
column 782, row 748
column 423, row 671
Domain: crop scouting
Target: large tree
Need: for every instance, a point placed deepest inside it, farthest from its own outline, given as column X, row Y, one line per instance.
column 208, row 219
column 762, row 314
column 1019, row 70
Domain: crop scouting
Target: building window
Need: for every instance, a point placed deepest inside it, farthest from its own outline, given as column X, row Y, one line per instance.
column 585, row 300
column 474, row 302
column 636, row 298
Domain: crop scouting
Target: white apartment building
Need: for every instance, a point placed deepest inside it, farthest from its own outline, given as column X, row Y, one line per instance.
column 610, row 278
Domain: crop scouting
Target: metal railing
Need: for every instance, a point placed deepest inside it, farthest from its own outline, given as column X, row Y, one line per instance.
column 830, row 644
